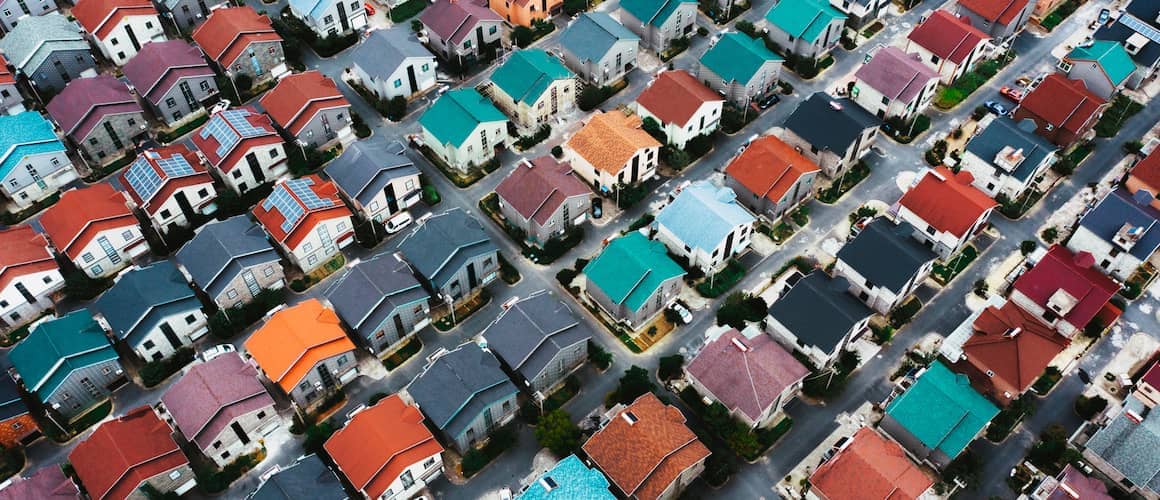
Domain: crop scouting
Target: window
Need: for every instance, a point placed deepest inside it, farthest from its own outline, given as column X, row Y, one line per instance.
column 507, row 406
column 269, row 271
column 149, row 24
column 114, row 41
column 305, row 386
column 328, row 20
column 354, row 6
column 174, row 475
column 426, row 67
column 467, row 44
column 217, row 444
column 148, row 344
column 341, row 226
column 47, row 279
column 15, row 316
column 308, row 247
column 342, row 360
column 274, row 153
column 170, row 102
column 165, row 214
column 885, row 100
column 231, row 294
column 428, row 463
column 261, row 415
column 930, row 230
column 492, row 30
column 933, row 59
column 205, row 85
column 313, row 259
column 87, row 257
column 410, row 184
column 237, row 174
column 93, row 141
column 120, row 55
column 132, row 121
column 55, row 161
column 225, row 454
column 127, row 235
column 398, row 83
column 97, row 270
column 190, row 319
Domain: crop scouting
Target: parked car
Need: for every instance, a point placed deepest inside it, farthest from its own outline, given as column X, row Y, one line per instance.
column 996, row 107
column 769, row 100
column 683, row 312
column 597, row 208
column 1011, row 93
column 398, row 222
column 216, row 351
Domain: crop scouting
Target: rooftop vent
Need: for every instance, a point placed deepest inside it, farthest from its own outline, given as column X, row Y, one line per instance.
column 548, row 483
column 740, row 345
column 629, row 417
column 1128, row 235
column 1013, row 332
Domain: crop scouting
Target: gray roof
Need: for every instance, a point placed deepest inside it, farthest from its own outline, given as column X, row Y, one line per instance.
column 221, row 250
column 1004, row 132
column 142, row 297
column 455, row 388
column 529, row 334
column 443, row 244
column 372, row 290
column 1118, row 208
column 365, row 169
column 1131, row 447
column 52, row 30
column 384, row 50
column 307, row 477
column 828, row 123
column 1145, row 11
column 592, row 34
column 886, row 254
column 819, row 311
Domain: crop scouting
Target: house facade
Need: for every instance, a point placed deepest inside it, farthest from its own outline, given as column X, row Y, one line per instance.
column 173, row 79
column 231, row 262
column 543, row 198
column 1006, row 158
column 50, row 50
column 171, row 186
column 119, row 28
column 307, row 219
column 464, row 129
column 242, row 147
column 1064, row 110
column 29, row 277
column 453, row 254
column 659, row 22
column 894, row 84
column 883, row 264
column 382, row 303
column 331, row 18
column 460, row 31
column 12, row 13
column 189, row 14
column 948, row 44
column 740, row 68
column 945, row 210
column 153, row 311
column 598, row 48
column 526, row 12
column 805, row 28
column 682, row 106
column 540, row 340
column 860, row 13
column 101, row 116
column 832, row 133
column 612, row 149
column 95, row 229
column 1120, row 233
column 1002, row 20
column 376, row 183
column 242, row 42
column 392, row 63
column 309, row 107
column 532, row 88
column 34, row 164
column 770, row 177
column 633, row 279
column 11, row 100
column 706, row 225
column 1105, row 67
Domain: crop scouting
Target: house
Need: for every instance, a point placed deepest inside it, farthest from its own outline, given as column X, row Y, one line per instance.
column 598, row 48
column 50, row 51
column 1064, row 110
column 171, row 186
column 1135, row 27
column 392, row 63
column 242, row 42
column 526, row 12
column 1104, row 67
column 306, row 477
column 68, row 364
column 612, row 149
column 331, row 18
column 894, row 84
column 808, row 29
column 1071, row 483
column 869, row 467
column 884, row 265
column 101, row 116
column 1119, row 449
column 817, row 318
column 1144, row 176
column 11, row 100
column 532, row 87
column 1001, row 20
column 1006, row 158
column 28, row 140
column 659, row 23
column 860, row 13
column 465, row 394
column 231, row 262
column 189, row 14
column 1118, row 234
column 46, row 483
column 463, row 31
column 375, row 182
column 382, row 303
column 242, row 147
column 949, row 44
column 771, row 177
column 740, row 68
column 646, row 449
column 95, row 229
column 540, row 339
column 17, row 426
column 1148, row 387
column 29, row 276
column 453, row 254
column 127, row 453
column 221, row 407
column 633, row 279
column 309, row 107
column 13, row 14
column 544, row 199
column 307, row 219
column 1064, row 290
column 304, row 351
column 385, row 451
column 832, row 133
column 569, row 478
column 706, row 226
column 464, row 129
column 153, row 310
column 937, row 437
column 682, row 106
column 944, row 209
column 748, row 373
column 174, row 80
column 119, row 27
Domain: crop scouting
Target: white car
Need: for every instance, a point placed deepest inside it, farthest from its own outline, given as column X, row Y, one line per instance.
column 216, row 351
column 398, row 222
column 683, row 312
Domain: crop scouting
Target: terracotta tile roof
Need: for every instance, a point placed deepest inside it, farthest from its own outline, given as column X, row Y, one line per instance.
column 769, row 167
column 1000, row 11
column 226, row 161
column 871, row 467
column 226, row 33
column 1066, row 104
column 23, row 251
column 82, row 213
column 947, row 201
column 291, row 232
column 947, row 36
column 211, row 395
column 675, row 96
column 1147, row 171
column 379, row 443
column 610, row 139
column 644, row 457
column 169, row 183
column 295, row 339
column 1014, row 346
column 122, row 453
column 538, row 187
column 294, row 101
column 5, row 75
column 1074, row 273
column 99, row 17
column 746, row 374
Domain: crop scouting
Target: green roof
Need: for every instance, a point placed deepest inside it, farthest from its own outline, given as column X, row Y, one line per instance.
column 654, row 12
column 942, row 410
column 631, row 268
column 56, row 348
column 455, row 116
column 1110, row 56
column 736, row 57
column 805, row 19
column 528, row 73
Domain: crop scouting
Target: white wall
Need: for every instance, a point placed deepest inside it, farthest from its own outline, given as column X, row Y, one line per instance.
column 312, row 252
column 176, row 216
column 1120, row 266
column 271, row 160
column 117, row 47
column 127, row 243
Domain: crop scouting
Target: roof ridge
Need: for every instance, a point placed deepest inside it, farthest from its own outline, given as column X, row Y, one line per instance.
column 749, row 375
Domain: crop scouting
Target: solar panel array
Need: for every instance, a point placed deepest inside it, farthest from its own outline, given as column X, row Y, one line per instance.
column 230, row 127
column 288, row 205
column 1140, row 27
column 145, row 181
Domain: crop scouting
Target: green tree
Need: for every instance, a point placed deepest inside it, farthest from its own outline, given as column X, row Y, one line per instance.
column 244, row 82
column 653, row 128
column 396, row 108
column 670, row 367
column 556, row 432
column 591, row 97
column 634, row 384
column 523, row 36
column 739, row 308
column 1027, row 246
column 573, row 7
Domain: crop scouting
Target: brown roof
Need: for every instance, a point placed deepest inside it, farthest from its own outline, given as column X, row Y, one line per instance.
column 226, row 33
column 297, row 98
column 746, row 375
column 1147, row 171
column 538, row 187
column 871, row 467
column 1011, row 347
column 610, row 139
column 1064, row 103
column 769, row 167
column 675, row 96
column 947, row 36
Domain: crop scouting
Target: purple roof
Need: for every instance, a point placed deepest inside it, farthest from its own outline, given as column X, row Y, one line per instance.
column 211, row 395
column 47, row 483
column 896, row 74
column 454, row 20
column 160, row 65
column 746, row 375
column 84, row 102
column 538, row 188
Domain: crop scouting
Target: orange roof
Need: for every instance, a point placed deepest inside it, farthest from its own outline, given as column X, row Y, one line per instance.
column 1001, row 11
column 99, row 17
column 1064, row 103
column 644, row 457
column 379, row 443
column 294, row 340
column 226, row 33
column 307, row 218
column 609, row 140
column 22, row 252
column 82, row 213
column 1012, row 348
column 675, row 96
column 298, row 97
column 769, row 167
column 5, row 75
column 947, row 201
column 871, row 467
column 1147, row 171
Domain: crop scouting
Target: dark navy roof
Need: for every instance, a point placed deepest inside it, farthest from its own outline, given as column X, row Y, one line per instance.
column 830, row 123
column 365, row 169
column 221, row 250
column 370, row 292
column 142, row 297
column 457, row 386
column 443, row 244
column 819, row 311
column 1147, row 12
column 886, row 254
column 1003, row 132
column 1115, row 210
column 529, row 334
column 308, row 477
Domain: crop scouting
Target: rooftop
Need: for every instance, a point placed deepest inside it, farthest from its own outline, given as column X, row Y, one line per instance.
column 610, row 139
column 527, row 74
column 1072, row 273
column 307, row 477
column 231, row 133
column 537, row 188
column 1066, row 104
column 1138, row 18
column 123, row 452
column 829, row 123
column 737, row 58
column 211, row 395
column 1120, row 210
column 886, row 254
column 144, row 296
column 941, row 410
column 158, row 173
column 804, row 19
column 56, row 348
column 455, row 20
column 84, row 102
column 159, row 65
column 384, row 50
column 1000, row 11
column 896, row 74
column 654, row 12
column 100, row 17
column 569, row 479
column 631, row 268
column 455, row 116
column 296, row 206
column 22, row 135
column 1111, row 57
column 22, row 45
column 24, row 252
column 947, row 201
column 947, row 36
column 1012, row 347
column 371, row 291
column 295, row 339
column 379, row 443
column 592, row 35
column 365, row 168
column 1004, row 135
column 227, row 32
column 703, row 215
column 870, row 467
column 532, row 332
column 441, row 245
column 454, row 388
column 83, row 212
column 747, row 375
column 768, row 167
column 1129, row 442
column 222, row 249
column 299, row 97
column 819, row 311
column 675, row 96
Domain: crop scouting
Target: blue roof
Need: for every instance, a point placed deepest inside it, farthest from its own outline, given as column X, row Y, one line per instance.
column 1115, row 210
column 312, row 8
column 569, row 479
column 703, row 215
column 593, row 34
column 942, row 410
column 1003, row 132
column 142, row 297
column 654, row 12
column 23, row 135
column 56, row 348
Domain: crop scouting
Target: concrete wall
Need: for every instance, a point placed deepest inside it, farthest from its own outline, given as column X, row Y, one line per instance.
column 104, row 147
column 173, row 106
column 407, row 191
column 554, row 226
column 187, row 325
column 1093, row 77
column 944, row 243
column 227, row 445
column 323, row 241
column 271, row 160
column 802, row 191
column 815, row 49
column 338, row 18
column 326, row 126
column 532, row 115
column 189, row 14
column 483, row 33
column 268, row 55
column 385, row 338
column 386, row 88
column 266, row 275
column 705, row 120
column 48, row 77
column 665, row 294
column 168, row 214
column 501, row 412
column 305, row 395
column 172, row 480
column 605, row 70
column 646, row 158
column 472, row 153
column 1061, row 325
column 885, row 107
column 993, row 181
column 55, row 169
column 708, row 260
column 127, row 243
column 458, row 285
column 84, row 388
column 563, row 363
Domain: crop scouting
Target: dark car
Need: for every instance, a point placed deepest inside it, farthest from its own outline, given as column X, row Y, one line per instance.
column 769, row 100
column 597, row 208
column 997, row 108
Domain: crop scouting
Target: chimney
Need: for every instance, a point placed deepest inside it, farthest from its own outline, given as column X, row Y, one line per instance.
column 1009, row 158
column 740, row 345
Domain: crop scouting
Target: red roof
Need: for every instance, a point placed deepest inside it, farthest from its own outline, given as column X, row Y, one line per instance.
column 1000, row 11
column 226, row 162
column 273, row 218
column 947, row 201
column 1147, row 170
column 1012, row 348
column 23, row 252
column 298, row 97
column 1152, row 377
column 537, row 188
column 947, row 36
column 83, row 213
column 871, row 467
column 123, row 453
column 1066, row 104
column 769, row 167
column 5, row 75
column 99, row 17
column 169, row 185
column 1072, row 273
column 675, row 96
column 379, row 443
column 226, row 33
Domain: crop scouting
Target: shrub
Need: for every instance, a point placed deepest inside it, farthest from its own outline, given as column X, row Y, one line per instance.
column 396, row 108
column 1027, row 246
column 1050, row 234
column 573, row 7
column 676, row 158
column 740, row 308
column 1063, row 167
column 670, row 367
column 980, row 288
column 522, row 36
column 556, row 432
column 557, row 151
column 746, row 27
column 634, row 384
column 592, row 96
column 243, row 81
column 653, row 128
column 1087, row 408
column 599, row 357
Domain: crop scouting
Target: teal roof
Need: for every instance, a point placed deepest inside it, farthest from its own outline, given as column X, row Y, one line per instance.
column 1110, row 56
column 631, row 268
column 736, row 57
column 56, row 348
column 455, row 116
column 22, row 135
column 570, row 480
column 805, row 19
column 942, row 410
column 528, row 73
column 654, row 12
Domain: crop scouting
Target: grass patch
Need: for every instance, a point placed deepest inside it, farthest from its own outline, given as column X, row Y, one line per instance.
column 460, row 178
column 950, row 96
column 402, row 354
column 1047, row 381
column 308, row 160
column 156, row 372
column 847, row 181
column 801, row 216
column 628, row 342
column 526, row 142
column 407, row 10
column 82, row 423
column 749, row 444
column 213, row 480
column 944, row 273
column 905, row 132
column 675, row 48
column 722, row 281
column 477, row 458
column 1121, row 109
column 1058, row 15
column 462, row 312
column 902, row 314
column 1008, row 418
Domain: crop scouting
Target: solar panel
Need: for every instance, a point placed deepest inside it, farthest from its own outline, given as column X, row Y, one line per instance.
column 301, row 189
column 143, row 179
column 222, row 133
column 1140, row 27
column 237, row 119
column 292, row 199
column 175, row 166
